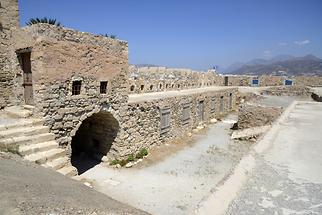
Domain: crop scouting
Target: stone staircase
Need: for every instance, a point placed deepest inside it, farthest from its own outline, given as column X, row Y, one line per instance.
column 34, row 142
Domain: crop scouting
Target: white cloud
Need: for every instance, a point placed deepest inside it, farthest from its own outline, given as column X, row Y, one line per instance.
column 302, row 43
column 282, row 44
column 267, row 53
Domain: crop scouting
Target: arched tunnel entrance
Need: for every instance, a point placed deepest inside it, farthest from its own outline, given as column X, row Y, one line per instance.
column 93, row 140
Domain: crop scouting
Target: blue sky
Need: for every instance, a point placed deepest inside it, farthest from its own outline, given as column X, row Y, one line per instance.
column 194, row 34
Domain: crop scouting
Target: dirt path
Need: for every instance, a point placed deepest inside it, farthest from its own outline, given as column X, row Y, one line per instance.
column 177, row 183
column 27, row 188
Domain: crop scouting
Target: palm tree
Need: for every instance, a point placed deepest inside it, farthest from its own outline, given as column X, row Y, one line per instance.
column 112, row 36
column 33, row 21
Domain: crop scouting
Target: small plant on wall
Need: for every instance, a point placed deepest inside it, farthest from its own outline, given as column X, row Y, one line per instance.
column 131, row 158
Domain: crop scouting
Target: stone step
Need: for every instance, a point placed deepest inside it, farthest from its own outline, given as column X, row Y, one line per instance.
column 39, row 147
column 68, row 171
column 22, row 123
column 26, row 140
column 23, row 131
column 43, row 157
column 18, row 112
column 58, row 163
column 29, row 107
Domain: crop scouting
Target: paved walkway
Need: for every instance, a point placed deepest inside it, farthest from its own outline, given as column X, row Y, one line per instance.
column 287, row 178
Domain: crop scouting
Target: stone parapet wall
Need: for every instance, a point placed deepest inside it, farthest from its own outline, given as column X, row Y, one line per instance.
column 270, row 80
column 157, row 79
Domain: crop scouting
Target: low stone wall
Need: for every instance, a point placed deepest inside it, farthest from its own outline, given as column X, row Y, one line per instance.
column 288, row 91
column 253, row 115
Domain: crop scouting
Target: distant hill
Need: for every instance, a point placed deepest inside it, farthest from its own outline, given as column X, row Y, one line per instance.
column 145, row 65
column 281, row 65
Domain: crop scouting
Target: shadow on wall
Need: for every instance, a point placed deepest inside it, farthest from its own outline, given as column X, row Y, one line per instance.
column 93, row 140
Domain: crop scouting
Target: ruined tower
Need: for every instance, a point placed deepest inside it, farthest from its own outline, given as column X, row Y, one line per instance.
column 9, row 22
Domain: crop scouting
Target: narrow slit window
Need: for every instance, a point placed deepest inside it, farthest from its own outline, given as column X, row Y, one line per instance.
column 76, row 88
column 213, row 105
column 185, row 114
column 103, row 87
column 164, row 120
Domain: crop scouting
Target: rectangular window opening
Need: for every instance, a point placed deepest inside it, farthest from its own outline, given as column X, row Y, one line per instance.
column 76, row 88
column 103, row 87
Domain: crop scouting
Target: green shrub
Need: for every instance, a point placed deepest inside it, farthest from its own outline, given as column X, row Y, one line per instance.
column 114, row 162
column 123, row 162
column 143, row 152
column 131, row 158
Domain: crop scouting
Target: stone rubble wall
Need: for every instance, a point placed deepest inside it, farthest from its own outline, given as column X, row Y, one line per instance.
column 9, row 20
column 143, row 118
column 254, row 115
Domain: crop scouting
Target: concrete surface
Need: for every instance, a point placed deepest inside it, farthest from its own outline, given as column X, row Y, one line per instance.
column 177, row 183
column 287, row 177
column 27, row 188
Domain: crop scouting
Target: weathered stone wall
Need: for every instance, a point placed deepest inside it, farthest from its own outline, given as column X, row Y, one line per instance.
column 9, row 20
column 60, row 56
column 156, row 79
column 143, row 119
column 254, row 115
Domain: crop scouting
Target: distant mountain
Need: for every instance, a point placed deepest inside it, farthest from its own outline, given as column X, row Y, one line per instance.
column 282, row 65
column 257, row 61
column 145, row 65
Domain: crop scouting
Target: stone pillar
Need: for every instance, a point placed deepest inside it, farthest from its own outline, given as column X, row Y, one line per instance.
column 9, row 21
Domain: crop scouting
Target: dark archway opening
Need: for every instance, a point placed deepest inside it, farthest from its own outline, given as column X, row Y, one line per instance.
column 93, row 140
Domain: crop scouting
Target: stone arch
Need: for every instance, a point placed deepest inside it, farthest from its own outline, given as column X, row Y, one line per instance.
column 93, row 139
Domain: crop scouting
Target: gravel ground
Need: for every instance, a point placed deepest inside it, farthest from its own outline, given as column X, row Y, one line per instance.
column 27, row 189
column 179, row 181
column 287, row 178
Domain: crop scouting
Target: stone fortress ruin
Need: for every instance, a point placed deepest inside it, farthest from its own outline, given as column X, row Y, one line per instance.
column 77, row 94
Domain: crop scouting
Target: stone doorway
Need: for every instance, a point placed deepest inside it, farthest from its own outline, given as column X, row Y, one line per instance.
column 93, row 140
column 25, row 64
